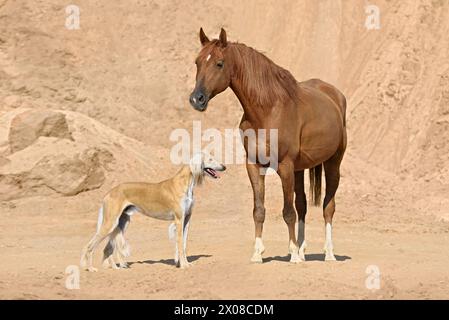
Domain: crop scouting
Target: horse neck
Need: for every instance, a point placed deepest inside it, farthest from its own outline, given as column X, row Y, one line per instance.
column 257, row 95
column 247, row 96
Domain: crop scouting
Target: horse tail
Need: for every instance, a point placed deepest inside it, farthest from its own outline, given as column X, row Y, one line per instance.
column 315, row 185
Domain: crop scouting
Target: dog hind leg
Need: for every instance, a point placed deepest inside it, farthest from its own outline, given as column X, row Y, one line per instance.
column 109, row 250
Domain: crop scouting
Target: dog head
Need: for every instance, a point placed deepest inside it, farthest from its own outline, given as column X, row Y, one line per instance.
column 203, row 164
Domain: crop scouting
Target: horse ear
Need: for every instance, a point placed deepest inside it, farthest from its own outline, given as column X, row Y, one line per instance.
column 223, row 38
column 203, row 38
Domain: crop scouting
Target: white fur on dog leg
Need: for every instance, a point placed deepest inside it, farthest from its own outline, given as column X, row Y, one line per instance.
column 106, row 264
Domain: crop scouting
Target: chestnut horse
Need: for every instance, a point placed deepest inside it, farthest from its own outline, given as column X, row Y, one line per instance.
column 309, row 117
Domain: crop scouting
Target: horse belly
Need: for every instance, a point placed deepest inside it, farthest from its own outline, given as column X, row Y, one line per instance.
column 319, row 142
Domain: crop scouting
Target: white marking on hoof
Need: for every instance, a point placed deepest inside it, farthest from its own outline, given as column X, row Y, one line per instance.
column 302, row 240
column 259, row 249
column 256, row 258
column 328, row 246
column 295, row 258
column 302, row 251
column 92, row 269
column 330, row 257
column 294, row 253
column 185, row 265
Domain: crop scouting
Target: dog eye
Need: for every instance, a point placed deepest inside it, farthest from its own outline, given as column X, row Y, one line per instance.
column 220, row 64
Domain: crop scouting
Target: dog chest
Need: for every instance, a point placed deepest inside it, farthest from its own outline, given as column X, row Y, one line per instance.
column 187, row 201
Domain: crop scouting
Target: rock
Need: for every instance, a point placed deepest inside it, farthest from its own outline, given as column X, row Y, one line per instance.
column 71, row 175
column 64, row 153
column 27, row 127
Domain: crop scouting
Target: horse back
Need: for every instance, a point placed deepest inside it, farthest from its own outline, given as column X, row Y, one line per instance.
column 332, row 92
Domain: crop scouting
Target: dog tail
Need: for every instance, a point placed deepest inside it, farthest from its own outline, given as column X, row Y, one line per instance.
column 172, row 231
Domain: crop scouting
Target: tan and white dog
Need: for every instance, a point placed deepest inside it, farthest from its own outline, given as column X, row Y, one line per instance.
column 171, row 199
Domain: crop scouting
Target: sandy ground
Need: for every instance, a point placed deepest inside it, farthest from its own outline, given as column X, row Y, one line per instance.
column 117, row 88
column 409, row 249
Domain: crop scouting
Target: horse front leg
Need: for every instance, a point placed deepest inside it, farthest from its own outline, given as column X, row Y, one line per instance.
column 258, row 185
column 286, row 172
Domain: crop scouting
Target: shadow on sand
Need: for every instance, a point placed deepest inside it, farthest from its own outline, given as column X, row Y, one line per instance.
column 309, row 257
column 170, row 262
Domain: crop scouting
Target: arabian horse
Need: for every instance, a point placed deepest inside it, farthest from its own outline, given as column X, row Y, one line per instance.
column 311, row 129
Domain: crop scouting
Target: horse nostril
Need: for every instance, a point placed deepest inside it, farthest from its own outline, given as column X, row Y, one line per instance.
column 201, row 98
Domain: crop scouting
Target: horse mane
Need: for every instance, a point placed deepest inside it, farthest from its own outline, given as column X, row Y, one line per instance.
column 265, row 82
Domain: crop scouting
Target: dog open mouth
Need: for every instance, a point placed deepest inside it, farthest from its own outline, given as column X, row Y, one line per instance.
column 211, row 172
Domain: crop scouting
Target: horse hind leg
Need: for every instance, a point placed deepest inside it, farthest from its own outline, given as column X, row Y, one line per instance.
column 332, row 175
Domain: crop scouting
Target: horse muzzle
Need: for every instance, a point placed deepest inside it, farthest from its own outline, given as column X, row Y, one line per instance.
column 199, row 100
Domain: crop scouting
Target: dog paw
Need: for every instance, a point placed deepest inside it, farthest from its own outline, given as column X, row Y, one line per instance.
column 114, row 266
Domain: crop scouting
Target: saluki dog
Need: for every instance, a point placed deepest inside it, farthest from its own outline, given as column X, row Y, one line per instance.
column 171, row 200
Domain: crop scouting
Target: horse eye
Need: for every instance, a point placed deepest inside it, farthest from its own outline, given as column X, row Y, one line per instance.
column 220, row 64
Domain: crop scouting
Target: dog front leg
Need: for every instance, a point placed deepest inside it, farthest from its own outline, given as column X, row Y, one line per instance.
column 179, row 244
column 185, row 235
column 172, row 236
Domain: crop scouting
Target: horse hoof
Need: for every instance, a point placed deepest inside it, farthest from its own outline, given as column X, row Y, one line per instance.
column 92, row 269
column 256, row 258
column 330, row 257
column 295, row 258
